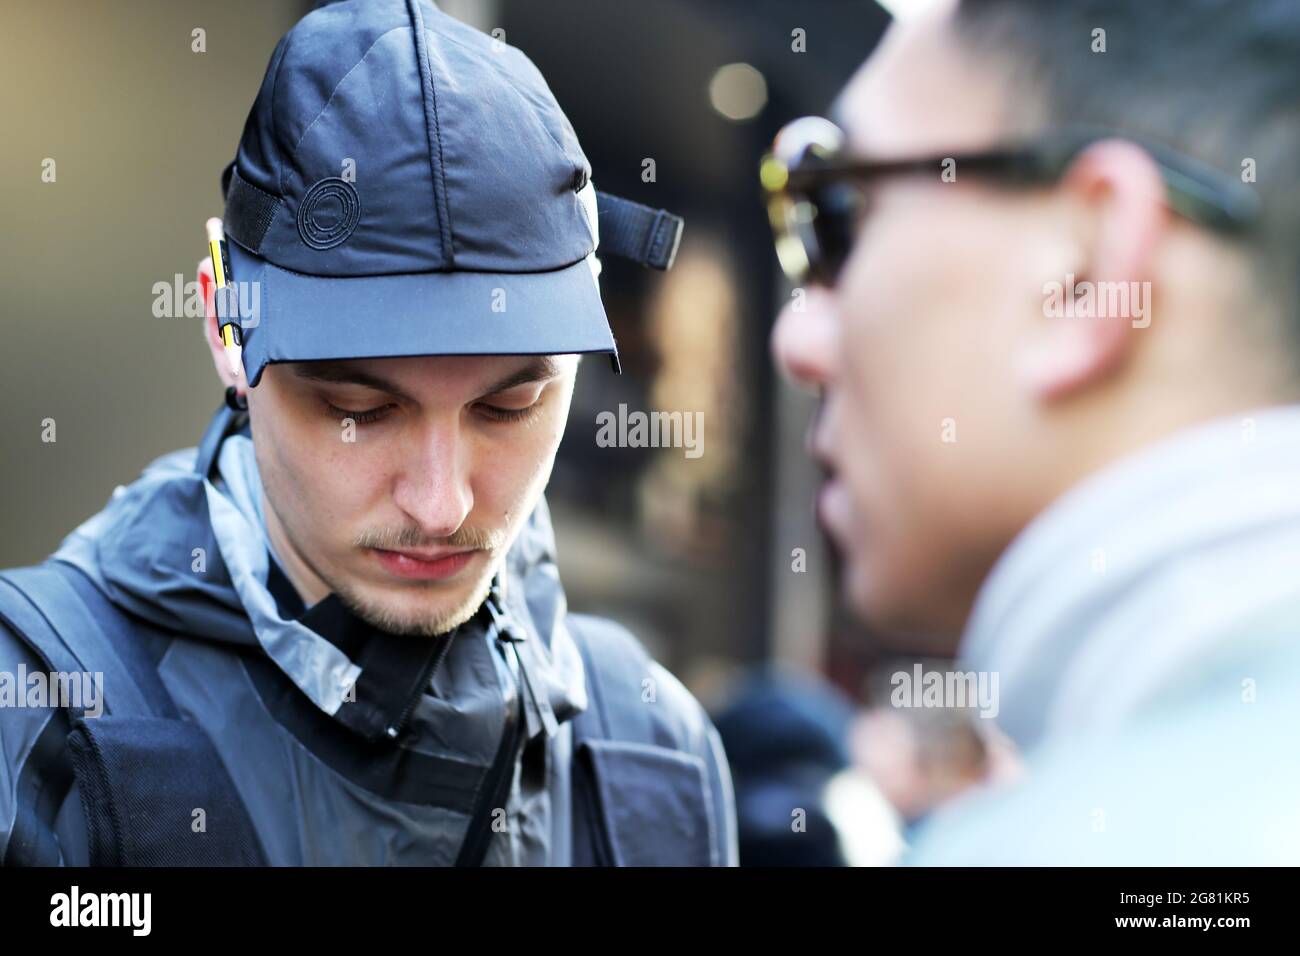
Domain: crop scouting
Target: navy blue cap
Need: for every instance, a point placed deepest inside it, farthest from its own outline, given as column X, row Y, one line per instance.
column 407, row 185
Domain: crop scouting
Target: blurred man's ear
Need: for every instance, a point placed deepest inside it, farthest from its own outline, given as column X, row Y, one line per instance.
column 1115, row 197
column 208, row 283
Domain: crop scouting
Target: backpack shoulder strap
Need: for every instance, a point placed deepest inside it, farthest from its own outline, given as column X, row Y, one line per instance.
column 617, row 669
column 73, row 628
column 151, row 783
column 641, row 797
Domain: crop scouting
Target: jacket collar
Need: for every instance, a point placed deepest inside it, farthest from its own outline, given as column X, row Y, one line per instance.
column 395, row 671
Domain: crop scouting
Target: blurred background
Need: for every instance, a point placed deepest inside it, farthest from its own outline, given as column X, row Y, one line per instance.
column 674, row 102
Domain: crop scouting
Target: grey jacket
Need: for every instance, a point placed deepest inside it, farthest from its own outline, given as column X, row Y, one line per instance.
column 1145, row 630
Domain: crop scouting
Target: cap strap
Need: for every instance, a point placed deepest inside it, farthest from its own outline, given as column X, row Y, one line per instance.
column 249, row 211
column 627, row 229
column 633, row 231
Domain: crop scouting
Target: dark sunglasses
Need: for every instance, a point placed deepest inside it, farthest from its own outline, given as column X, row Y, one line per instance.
column 815, row 193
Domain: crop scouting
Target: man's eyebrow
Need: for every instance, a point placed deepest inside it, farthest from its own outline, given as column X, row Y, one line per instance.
column 338, row 373
column 540, row 369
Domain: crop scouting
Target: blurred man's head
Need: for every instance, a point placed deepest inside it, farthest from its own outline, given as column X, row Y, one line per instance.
column 962, row 391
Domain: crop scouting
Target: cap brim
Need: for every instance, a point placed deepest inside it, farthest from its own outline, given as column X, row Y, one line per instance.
column 291, row 317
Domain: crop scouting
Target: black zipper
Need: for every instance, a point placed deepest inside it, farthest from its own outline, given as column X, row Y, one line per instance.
column 496, row 784
column 394, row 730
column 495, row 788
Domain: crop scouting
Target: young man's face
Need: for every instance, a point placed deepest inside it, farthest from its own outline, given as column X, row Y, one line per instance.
column 406, row 513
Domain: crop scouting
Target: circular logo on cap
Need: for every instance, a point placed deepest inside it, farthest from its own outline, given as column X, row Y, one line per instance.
column 328, row 214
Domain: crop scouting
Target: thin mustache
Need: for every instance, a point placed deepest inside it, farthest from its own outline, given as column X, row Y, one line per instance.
column 465, row 538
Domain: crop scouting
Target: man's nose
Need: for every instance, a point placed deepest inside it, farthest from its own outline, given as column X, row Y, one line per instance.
column 435, row 489
column 803, row 339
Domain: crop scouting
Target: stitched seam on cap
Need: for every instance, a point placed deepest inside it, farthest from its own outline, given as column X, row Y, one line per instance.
column 442, row 163
column 432, row 129
column 427, row 272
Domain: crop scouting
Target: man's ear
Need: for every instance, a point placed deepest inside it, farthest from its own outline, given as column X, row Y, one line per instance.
column 1093, row 315
column 207, row 284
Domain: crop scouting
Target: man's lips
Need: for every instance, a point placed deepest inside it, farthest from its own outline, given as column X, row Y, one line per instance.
column 835, row 508
column 424, row 565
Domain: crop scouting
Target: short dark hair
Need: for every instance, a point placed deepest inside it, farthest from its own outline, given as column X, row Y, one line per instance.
column 1219, row 80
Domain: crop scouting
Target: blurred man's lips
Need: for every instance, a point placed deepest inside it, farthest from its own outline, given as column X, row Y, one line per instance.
column 832, row 504
column 424, row 565
column 834, row 509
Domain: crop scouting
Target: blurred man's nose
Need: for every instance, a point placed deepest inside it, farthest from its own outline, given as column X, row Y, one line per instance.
column 434, row 489
column 803, row 339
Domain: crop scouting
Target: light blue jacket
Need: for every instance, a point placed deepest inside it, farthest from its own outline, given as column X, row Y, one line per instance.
column 1145, row 630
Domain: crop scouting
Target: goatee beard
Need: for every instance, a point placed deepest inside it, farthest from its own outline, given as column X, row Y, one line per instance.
column 430, row 624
